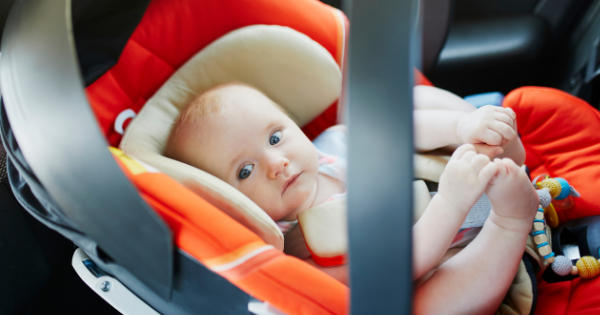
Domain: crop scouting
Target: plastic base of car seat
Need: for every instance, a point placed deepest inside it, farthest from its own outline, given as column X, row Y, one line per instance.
column 123, row 300
column 109, row 288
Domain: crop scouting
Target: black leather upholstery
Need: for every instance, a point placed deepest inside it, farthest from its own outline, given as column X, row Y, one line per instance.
column 477, row 43
column 435, row 20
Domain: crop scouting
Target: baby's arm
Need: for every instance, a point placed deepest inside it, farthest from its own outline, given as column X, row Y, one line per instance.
column 429, row 97
column 476, row 280
column 490, row 129
column 465, row 178
column 489, row 125
column 437, row 129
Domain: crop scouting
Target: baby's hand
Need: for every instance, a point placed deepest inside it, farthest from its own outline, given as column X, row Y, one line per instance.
column 513, row 198
column 465, row 178
column 490, row 125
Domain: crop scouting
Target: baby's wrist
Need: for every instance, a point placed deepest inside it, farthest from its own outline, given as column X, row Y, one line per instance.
column 458, row 130
column 511, row 224
column 451, row 205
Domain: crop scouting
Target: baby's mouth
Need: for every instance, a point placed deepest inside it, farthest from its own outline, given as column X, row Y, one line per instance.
column 290, row 181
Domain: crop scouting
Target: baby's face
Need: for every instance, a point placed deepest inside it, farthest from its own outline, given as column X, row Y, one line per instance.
column 256, row 148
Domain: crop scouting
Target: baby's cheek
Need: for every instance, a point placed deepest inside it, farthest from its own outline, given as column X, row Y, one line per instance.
column 271, row 204
column 303, row 192
column 255, row 194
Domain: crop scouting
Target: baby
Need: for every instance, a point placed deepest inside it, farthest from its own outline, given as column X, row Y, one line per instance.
column 238, row 134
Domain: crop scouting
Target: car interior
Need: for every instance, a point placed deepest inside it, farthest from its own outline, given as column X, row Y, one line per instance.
column 467, row 47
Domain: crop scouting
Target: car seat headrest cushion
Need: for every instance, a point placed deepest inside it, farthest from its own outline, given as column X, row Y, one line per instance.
column 289, row 67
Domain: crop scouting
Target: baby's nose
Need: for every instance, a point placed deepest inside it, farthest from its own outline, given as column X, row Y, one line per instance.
column 277, row 166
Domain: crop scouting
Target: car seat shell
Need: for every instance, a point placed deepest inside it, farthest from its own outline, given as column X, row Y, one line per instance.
column 218, row 295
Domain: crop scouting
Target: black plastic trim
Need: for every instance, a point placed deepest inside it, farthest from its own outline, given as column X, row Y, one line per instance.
column 436, row 16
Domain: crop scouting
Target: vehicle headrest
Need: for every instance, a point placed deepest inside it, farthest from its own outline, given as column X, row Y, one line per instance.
column 289, row 67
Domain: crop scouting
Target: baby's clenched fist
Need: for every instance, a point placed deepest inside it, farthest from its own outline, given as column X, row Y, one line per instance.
column 489, row 125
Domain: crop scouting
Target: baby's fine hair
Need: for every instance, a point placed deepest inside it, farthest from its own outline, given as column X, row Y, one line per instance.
column 197, row 109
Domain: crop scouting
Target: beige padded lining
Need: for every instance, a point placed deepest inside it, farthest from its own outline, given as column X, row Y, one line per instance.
column 430, row 167
column 289, row 67
column 325, row 228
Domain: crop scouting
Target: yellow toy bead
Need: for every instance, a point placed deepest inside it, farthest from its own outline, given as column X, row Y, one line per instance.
column 551, row 216
column 553, row 185
column 588, row 267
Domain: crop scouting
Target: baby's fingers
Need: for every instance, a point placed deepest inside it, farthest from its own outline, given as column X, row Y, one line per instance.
column 479, row 162
column 502, row 169
column 468, row 156
column 506, row 131
column 505, row 118
column 490, row 150
column 487, row 172
column 491, row 137
column 508, row 111
column 511, row 166
column 511, row 113
column 460, row 151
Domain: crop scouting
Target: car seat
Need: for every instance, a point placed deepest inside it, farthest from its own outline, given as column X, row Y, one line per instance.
column 59, row 188
column 146, row 267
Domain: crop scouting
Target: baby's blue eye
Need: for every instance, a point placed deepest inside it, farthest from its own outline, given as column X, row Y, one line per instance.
column 245, row 171
column 275, row 138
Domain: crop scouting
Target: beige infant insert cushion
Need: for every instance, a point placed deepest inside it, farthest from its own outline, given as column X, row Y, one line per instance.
column 289, row 67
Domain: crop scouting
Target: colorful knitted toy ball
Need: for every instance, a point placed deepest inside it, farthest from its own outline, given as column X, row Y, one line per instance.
column 562, row 265
column 588, row 267
column 545, row 198
column 553, row 185
column 565, row 188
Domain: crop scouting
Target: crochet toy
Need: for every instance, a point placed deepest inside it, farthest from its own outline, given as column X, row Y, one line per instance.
column 551, row 190
column 559, row 192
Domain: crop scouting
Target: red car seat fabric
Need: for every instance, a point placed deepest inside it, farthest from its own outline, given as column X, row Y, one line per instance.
column 173, row 31
column 231, row 250
column 421, row 79
column 561, row 136
column 576, row 297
